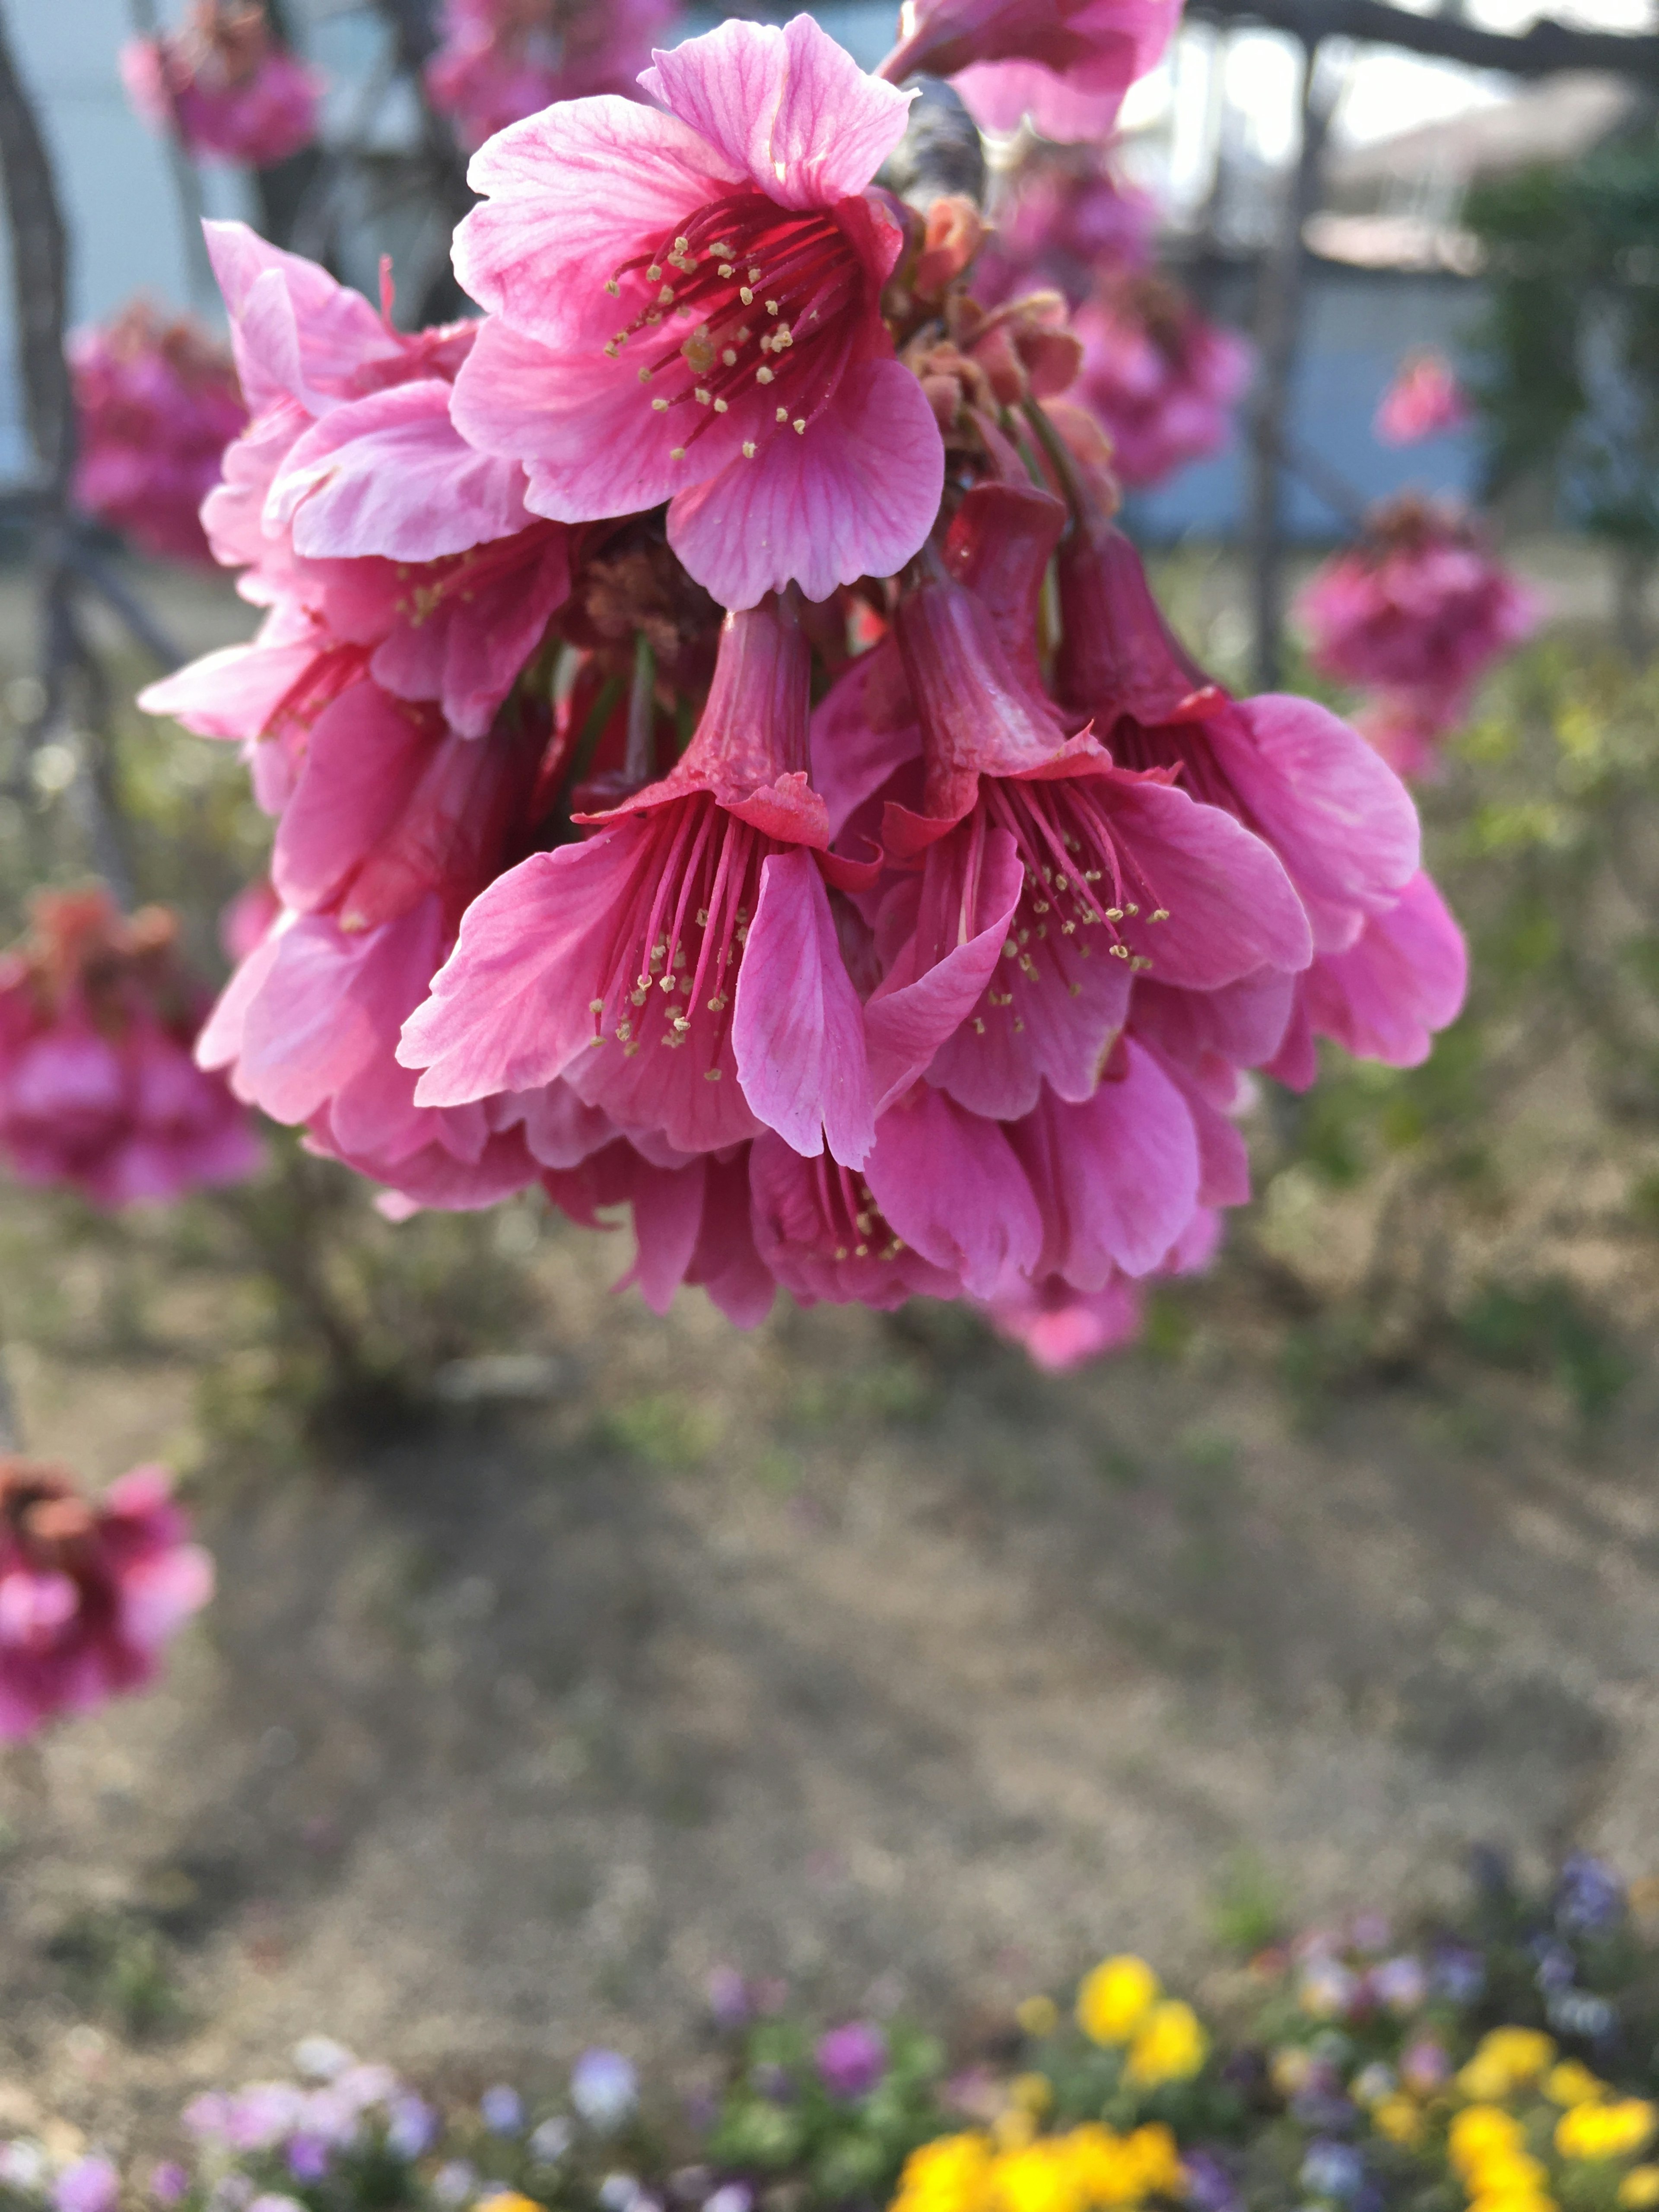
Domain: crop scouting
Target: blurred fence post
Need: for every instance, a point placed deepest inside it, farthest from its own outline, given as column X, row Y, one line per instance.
column 1280, row 288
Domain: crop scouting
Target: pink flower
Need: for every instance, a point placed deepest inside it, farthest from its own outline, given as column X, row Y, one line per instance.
column 502, row 60
column 1066, row 64
column 89, row 1591
column 682, row 967
column 224, row 87
column 1162, row 379
column 1418, row 607
column 1121, row 873
column 685, row 306
column 1339, row 819
column 156, row 403
column 1060, row 1328
column 1424, row 401
column 98, row 1088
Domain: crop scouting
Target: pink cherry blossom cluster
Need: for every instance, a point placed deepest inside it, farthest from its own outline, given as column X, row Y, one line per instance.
column 156, row 403
column 1061, row 66
column 501, row 60
column 91, row 1590
column 224, row 87
column 98, row 1086
column 1064, row 216
column 1415, row 614
column 728, row 766
column 1425, row 401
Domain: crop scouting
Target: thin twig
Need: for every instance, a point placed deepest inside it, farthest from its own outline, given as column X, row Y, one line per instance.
column 96, row 570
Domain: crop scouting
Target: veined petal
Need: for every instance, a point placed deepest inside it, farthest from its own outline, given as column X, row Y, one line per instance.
column 949, row 1184
column 789, row 106
column 854, row 495
column 796, row 1026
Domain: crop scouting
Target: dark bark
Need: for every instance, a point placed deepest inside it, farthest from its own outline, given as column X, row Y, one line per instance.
column 1541, row 50
column 1281, row 285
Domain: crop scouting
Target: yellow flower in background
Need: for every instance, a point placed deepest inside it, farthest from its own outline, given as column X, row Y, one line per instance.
column 1480, row 2132
column 1031, row 2092
column 1530, row 2200
column 1609, row 2130
column 1508, row 2173
column 1113, row 2000
column 1157, row 2161
column 1013, row 2129
column 1037, row 2179
column 1170, row 2045
column 1399, row 2119
column 1104, row 2168
column 1037, row 2016
column 1571, row 2082
column 1506, row 2059
column 950, row 2174
column 1640, row 2188
column 507, row 2200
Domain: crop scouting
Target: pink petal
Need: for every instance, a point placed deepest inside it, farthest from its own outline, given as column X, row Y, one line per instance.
column 725, row 1262
column 969, row 896
column 583, row 427
column 1241, row 1025
column 864, row 732
column 560, row 1129
column 573, row 193
column 855, row 496
column 232, row 692
column 390, row 475
column 1116, row 1177
column 797, row 1028
column 1231, row 907
column 1337, row 816
column 1060, row 1328
column 949, row 1185
column 789, row 106
column 667, row 1216
column 509, row 1009
column 1403, row 980
column 296, row 333
column 364, row 759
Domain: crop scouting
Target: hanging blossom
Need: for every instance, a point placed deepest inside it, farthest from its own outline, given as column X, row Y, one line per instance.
column 502, row 60
column 156, row 403
column 224, row 87
column 1163, row 379
column 91, row 1589
column 1064, row 65
column 98, row 1087
column 685, row 305
column 1425, row 401
column 947, row 984
column 1415, row 614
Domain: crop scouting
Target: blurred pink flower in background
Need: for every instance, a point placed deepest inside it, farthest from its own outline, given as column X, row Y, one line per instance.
column 1161, row 377
column 502, row 60
column 156, row 403
column 90, row 1591
column 1417, row 611
column 98, row 1087
column 1065, row 219
column 1424, row 400
column 224, row 86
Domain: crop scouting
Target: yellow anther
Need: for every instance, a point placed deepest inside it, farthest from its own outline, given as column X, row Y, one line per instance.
column 762, row 376
column 782, row 415
column 745, row 295
column 726, row 270
column 653, row 274
column 645, row 376
column 676, row 453
column 749, row 449
column 613, row 287
column 729, row 358
column 771, row 306
column 665, row 297
column 660, row 407
column 720, row 407
column 800, row 426
column 702, row 395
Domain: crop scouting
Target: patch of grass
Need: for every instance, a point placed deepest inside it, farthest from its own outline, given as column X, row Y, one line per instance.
column 116, row 1966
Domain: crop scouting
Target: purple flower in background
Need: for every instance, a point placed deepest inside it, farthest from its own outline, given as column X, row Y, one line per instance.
column 733, row 2196
column 1332, row 2169
column 169, row 2184
column 1370, row 1931
column 362, row 2086
column 1556, row 1965
column 1400, row 1984
column 1424, row 2065
column 263, row 2113
column 604, row 2087
column 1589, row 1896
column 774, row 2083
column 851, row 2060
column 1457, row 1972
column 1575, row 2012
column 91, row 2185
column 550, row 2141
column 455, row 2183
column 308, row 2156
column 208, row 2115
column 728, row 1998
column 503, row 2110
column 1210, row 2187
column 320, row 2058
column 412, row 2126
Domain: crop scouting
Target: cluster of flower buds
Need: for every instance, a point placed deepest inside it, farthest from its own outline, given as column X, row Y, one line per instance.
column 98, row 1086
column 501, row 60
column 727, row 764
column 224, row 87
column 1159, row 375
column 156, row 403
column 1415, row 614
column 90, row 1589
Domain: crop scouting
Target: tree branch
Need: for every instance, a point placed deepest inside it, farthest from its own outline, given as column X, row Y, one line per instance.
column 1540, row 51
